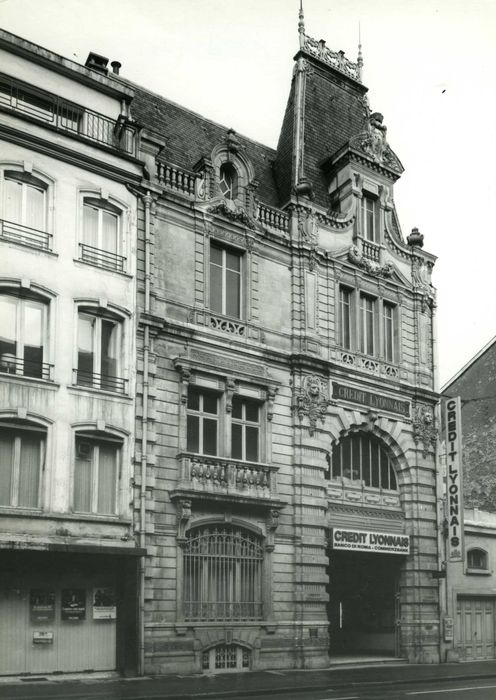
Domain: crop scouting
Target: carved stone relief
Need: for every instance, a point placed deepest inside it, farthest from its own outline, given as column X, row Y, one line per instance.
column 424, row 428
column 311, row 400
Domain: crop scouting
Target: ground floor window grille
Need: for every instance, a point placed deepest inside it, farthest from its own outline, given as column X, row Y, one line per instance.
column 226, row 657
column 222, row 574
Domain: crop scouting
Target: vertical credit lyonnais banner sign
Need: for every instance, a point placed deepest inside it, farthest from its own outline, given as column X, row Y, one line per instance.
column 454, row 481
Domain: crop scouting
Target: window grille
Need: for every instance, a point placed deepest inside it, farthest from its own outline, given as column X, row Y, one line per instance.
column 222, row 575
column 362, row 458
column 226, row 657
column 477, row 559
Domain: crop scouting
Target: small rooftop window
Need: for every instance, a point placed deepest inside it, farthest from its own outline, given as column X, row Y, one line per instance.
column 228, row 181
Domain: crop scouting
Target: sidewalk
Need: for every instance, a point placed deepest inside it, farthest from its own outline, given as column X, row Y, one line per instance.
column 253, row 684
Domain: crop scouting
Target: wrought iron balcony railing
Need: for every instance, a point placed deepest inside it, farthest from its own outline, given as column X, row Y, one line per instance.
column 102, row 258
column 94, row 380
column 66, row 116
column 9, row 364
column 25, row 235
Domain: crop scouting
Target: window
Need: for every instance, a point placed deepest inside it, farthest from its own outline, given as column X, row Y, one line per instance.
column 362, row 458
column 345, row 317
column 101, row 234
column 96, row 472
column 388, row 330
column 245, row 429
column 24, row 210
column 477, row 559
column 23, row 337
column 226, row 657
column 225, row 281
column 21, row 461
column 222, row 574
column 369, row 213
column 99, row 350
column 367, row 324
column 202, row 422
column 228, row 181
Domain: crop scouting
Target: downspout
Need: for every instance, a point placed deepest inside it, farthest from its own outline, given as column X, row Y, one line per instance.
column 147, row 200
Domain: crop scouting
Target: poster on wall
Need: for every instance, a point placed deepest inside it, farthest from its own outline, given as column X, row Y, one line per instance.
column 73, row 604
column 104, row 605
column 42, row 605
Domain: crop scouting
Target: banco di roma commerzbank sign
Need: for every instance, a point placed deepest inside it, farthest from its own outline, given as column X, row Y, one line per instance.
column 367, row 398
column 366, row 541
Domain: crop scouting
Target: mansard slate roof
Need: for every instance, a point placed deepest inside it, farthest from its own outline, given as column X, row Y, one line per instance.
column 189, row 136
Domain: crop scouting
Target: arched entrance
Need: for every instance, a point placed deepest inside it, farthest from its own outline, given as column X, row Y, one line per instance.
column 366, row 549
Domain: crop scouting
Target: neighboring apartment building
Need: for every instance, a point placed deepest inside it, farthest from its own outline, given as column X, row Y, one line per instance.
column 286, row 388
column 471, row 591
column 68, row 564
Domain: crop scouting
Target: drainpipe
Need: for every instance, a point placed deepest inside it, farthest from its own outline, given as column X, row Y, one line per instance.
column 147, row 200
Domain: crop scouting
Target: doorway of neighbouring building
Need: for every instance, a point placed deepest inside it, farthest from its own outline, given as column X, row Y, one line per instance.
column 363, row 606
column 475, row 627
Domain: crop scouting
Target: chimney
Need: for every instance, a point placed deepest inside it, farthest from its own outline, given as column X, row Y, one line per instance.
column 116, row 66
column 97, row 62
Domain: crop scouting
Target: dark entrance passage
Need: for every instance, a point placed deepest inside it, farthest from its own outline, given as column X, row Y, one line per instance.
column 362, row 608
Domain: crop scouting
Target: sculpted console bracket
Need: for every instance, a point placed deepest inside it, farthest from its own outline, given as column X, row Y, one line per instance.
column 424, row 429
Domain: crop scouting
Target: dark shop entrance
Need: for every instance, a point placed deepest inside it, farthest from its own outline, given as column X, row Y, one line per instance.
column 363, row 606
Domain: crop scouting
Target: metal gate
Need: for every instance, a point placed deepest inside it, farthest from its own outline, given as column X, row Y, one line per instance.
column 475, row 628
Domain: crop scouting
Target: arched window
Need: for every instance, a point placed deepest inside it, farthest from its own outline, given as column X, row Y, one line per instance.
column 24, row 209
column 102, row 234
column 228, row 181
column 361, row 457
column 477, row 559
column 22, row 453
column 222, row 574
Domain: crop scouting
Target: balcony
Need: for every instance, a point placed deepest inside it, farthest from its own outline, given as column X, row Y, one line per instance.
column 218, row 478
column 25, row 235
column 19, row 367
column 367, row 364
column 65, row 116
column 105, row 382
column 102, row 258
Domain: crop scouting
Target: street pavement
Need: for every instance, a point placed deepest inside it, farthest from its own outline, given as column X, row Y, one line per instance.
column 471, row 681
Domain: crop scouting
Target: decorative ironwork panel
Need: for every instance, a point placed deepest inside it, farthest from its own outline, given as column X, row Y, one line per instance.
column 102, row 258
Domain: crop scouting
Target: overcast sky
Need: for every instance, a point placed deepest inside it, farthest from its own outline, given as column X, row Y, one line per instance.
column 430, row 67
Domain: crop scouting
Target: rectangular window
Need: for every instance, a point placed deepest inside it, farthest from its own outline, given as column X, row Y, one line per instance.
column 99, row 350
column 21, row 455
column 367, row 324
column 245, row 429
column 345, row 296
column 225, row 281
column 23, row 337
column 24, row 203
column 202, row 422
column 101, row 244
column 388, row 330
column 369, row 209
column 96, row 475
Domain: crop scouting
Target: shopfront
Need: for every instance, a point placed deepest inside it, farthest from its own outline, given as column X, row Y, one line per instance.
column 67, row 612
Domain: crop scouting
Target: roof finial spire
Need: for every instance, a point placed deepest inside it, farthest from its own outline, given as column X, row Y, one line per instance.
column 301, row 26
column 360, row 57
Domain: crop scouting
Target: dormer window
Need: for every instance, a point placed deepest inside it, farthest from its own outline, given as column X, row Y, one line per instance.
column 228, row 181
column 369, row 219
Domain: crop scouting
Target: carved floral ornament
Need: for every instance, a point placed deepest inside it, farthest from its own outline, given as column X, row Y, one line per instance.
column 373, row 143
column 311, row 401
column 357, row 258
column 424, row 428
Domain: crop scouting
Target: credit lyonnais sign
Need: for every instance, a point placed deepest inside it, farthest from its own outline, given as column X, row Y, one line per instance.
column 366, row 541
column 366, row 398
column 454, row 486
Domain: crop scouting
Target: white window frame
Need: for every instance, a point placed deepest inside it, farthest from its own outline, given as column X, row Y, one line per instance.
column 97, row 377
column 95, row 442
column 389, row 336
column 202, row 416
column 245, row 423
column 20, row 304
column 364, row 313
column 224, row 250
column 345, row 316
column 98, row 256
column 21, row 180
column 18, row 430
column 368, row 235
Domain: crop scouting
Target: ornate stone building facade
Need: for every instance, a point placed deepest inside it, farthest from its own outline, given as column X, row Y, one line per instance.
column 285, row 474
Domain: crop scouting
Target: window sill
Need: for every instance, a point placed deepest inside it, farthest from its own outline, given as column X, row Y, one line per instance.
column 34, row 381
column 19, row 512
column 125, row 275
column 477, row 572
column 31, row 248
column 99, row 392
